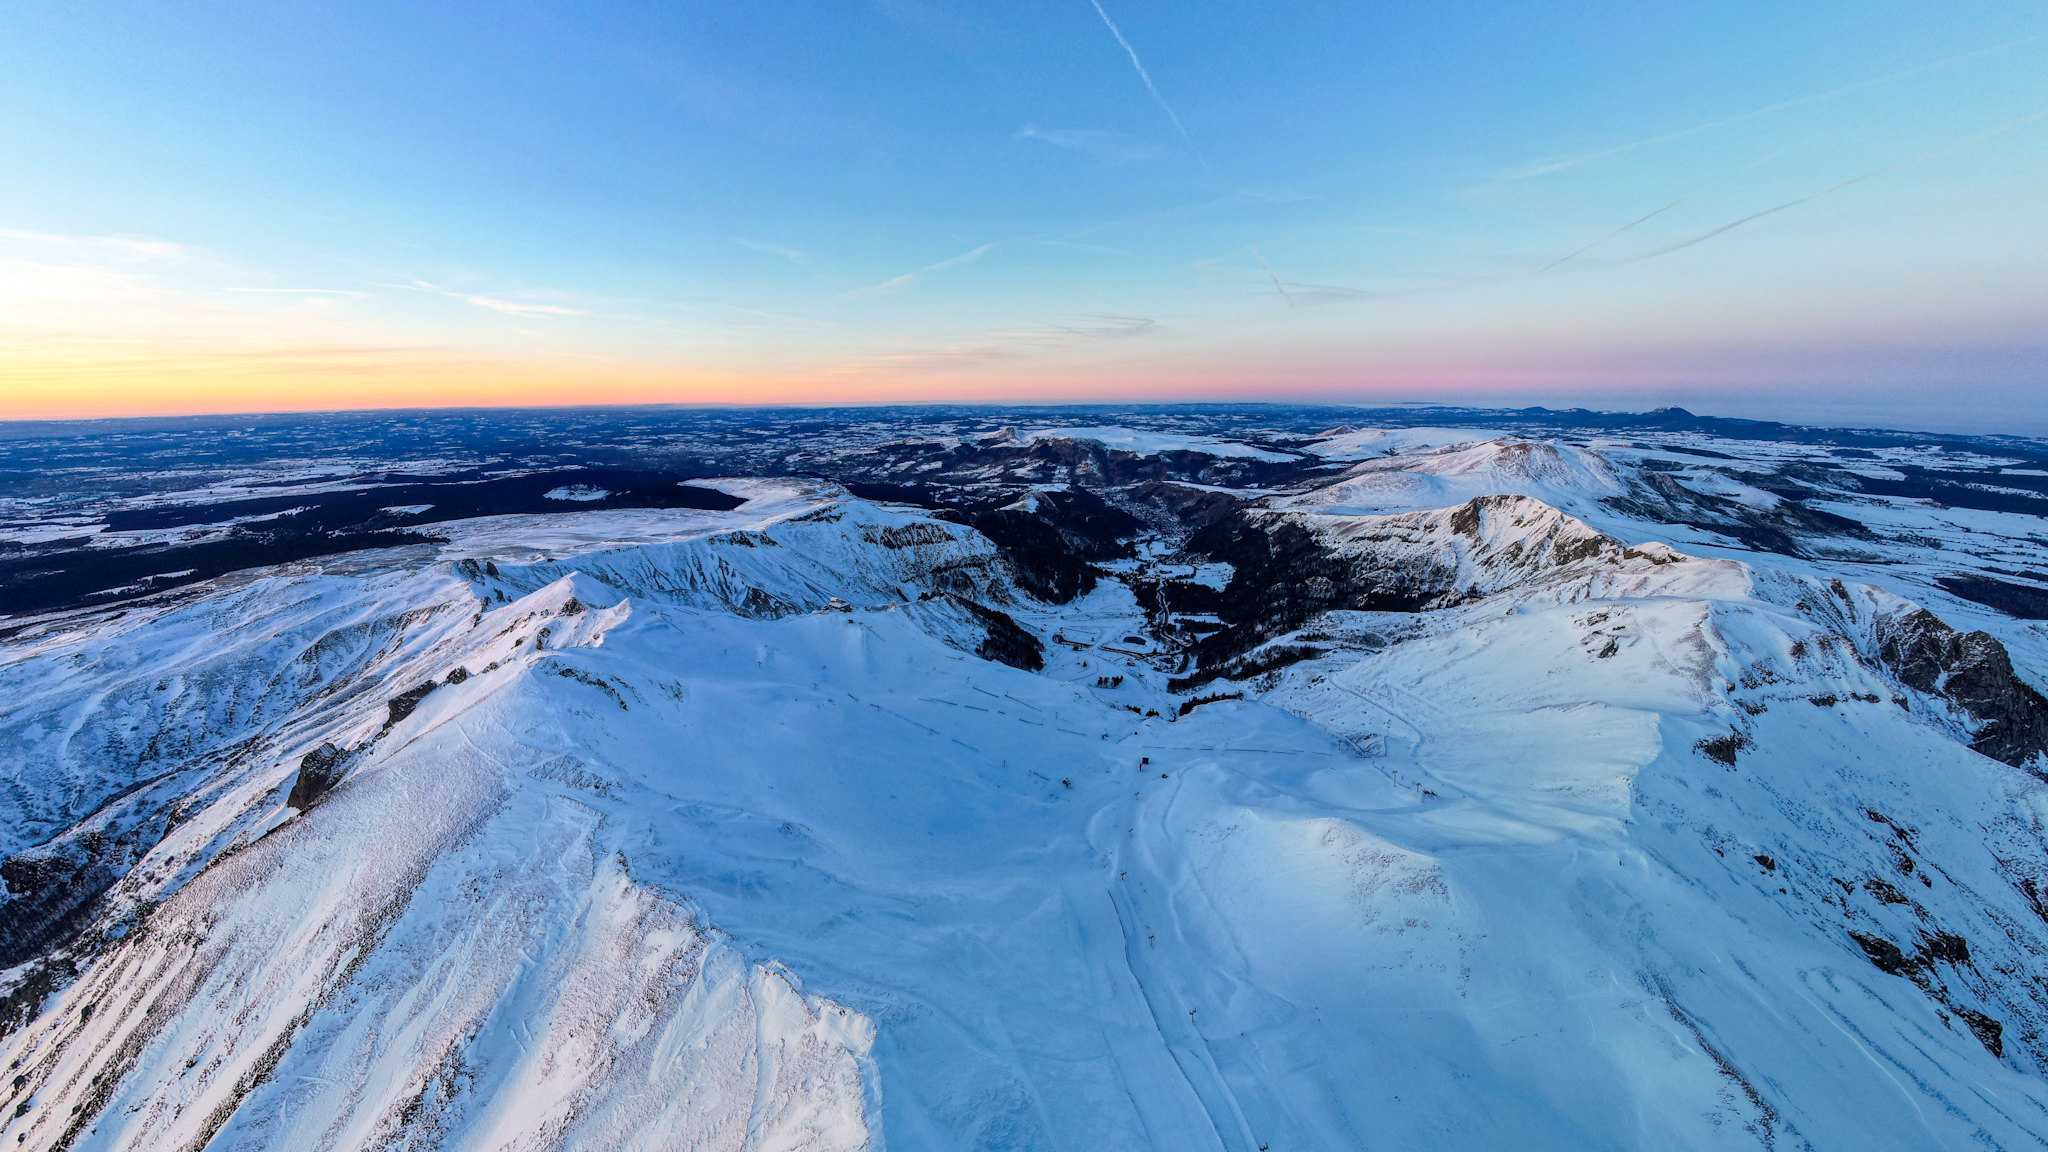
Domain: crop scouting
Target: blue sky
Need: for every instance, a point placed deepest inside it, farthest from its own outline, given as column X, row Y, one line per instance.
column 283, row 206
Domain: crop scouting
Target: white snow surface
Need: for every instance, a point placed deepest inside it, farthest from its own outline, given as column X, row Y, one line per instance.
column 1360, row 444
column 1145, row 442
column 691, row 859
column 1560, row 474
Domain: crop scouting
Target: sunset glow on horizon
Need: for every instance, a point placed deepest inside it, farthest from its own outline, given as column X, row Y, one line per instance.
column 1828, row 215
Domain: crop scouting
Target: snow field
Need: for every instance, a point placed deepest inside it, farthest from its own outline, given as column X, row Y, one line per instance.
column 703, row 862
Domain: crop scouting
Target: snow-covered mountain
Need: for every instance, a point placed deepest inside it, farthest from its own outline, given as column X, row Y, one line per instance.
column 1073, row 786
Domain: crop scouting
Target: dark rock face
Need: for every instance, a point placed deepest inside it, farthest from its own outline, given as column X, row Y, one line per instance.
column 907, row 535
column 1973, row 671
column 1008, row 642
column 319, row 770
column 1288, row 570
column 1989, row 1032
column 1885, row 955
column 402, row 705
column 1923, row 967
column 25, row 1000
column 1282, row 577
column 1723, row 749
column 52, row 893
column 762, row 605
column 1051, row 547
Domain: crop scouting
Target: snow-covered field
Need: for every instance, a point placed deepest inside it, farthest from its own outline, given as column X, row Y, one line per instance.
column 1148, row 443
column 692, row 829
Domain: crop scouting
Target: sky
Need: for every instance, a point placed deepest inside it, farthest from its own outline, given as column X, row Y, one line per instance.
column 1828, row 212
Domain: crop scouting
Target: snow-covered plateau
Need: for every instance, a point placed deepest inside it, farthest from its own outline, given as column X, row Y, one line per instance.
column 1431, row 790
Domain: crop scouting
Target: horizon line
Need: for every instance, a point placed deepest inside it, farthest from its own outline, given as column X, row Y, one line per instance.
column 1416, row 406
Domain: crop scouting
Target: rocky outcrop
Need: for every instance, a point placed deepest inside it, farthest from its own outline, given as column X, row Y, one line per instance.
column 51, row 890
column 319, row 770
column 1283, row 575
column 1973, row 671
column 1007, row 642
column 1291, row 565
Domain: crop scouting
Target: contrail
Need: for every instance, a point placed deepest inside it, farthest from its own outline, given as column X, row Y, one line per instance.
column 1612, row 235
column 1029, row 268
column 1651, row 216
column 1147, row 78
column 907, row 277
column 1560, row 165
column 2006, row 127
column 1273, row 278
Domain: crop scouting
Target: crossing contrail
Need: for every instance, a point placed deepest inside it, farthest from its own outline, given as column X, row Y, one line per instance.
column 1645, row 219
column 1273, row 278
column 1147, row 78
column 2006, row 127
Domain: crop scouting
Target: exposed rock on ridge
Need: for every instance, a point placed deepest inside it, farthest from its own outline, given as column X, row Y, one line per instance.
column 1290, row 565
column 1973, row 671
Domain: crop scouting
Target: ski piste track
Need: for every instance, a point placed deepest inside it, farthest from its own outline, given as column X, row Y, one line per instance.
column 688, row 828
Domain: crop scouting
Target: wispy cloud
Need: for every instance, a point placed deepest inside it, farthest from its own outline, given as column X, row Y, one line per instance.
column 963, row 258
column 1335, row 292
column 515, row 308
column 892, row 285
column 1943, row 151
column 1108, row 147
column 783, row 321
column 790, row 254
column 1006, row 344
column 300, row 291
column 125, row 249
column 508, row 307
column 1147, row 78
column 1283, row 196
column 1078, row 246
column 81, row 311
column 1099, row 326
